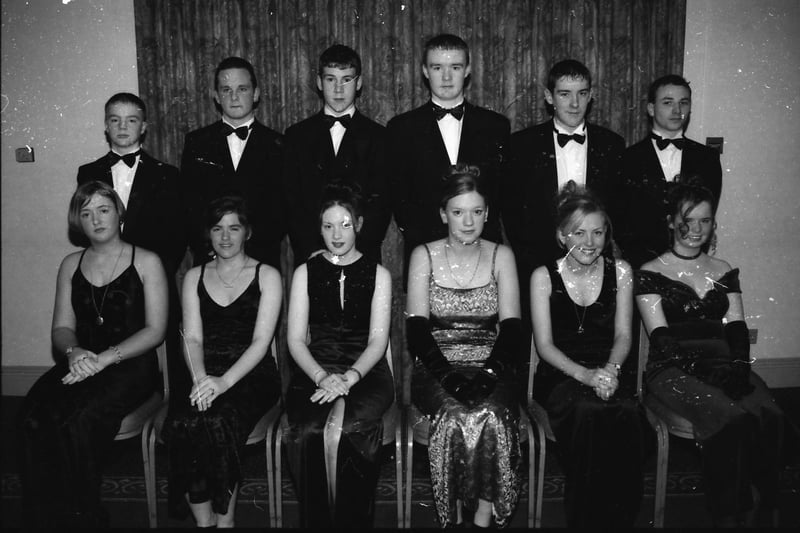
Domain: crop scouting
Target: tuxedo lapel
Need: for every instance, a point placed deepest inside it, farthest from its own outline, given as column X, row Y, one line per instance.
column 546, row 157
column 436, row 149
column 143, row 182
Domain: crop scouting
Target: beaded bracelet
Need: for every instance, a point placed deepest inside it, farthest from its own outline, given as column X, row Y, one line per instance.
column 323, row 377
column 116, row 351
column 354, row 369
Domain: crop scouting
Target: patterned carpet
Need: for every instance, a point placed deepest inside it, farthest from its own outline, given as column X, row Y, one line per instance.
column 124, row 483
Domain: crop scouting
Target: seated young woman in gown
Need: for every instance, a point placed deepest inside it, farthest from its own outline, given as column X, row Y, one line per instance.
column 110, row 315
column 581, row 308
column 230, row 308
column 699, row 362
column 463, row 329
column 341, row 384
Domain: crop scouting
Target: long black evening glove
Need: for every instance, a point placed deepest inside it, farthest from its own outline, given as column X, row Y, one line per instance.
column 503, row 358
column 422, row 346
column 738, row 382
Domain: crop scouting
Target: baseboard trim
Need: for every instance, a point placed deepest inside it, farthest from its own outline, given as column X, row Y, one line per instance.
column 17, row 380
column 777, row 373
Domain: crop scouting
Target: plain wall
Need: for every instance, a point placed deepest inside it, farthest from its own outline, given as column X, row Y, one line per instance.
column 743, row 64
column 61, row 61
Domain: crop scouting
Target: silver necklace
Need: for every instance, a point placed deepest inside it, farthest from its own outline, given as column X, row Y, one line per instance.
column 99, row 320
column 233, row 281
column 450, row 267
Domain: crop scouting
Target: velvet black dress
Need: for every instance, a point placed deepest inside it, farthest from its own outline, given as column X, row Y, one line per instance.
column 67, row 431
column 741, row 440
column 601, row 444
column 338, row 337
column 205, row 447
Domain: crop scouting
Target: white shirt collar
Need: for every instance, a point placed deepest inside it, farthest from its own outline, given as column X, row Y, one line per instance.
column 349, row 111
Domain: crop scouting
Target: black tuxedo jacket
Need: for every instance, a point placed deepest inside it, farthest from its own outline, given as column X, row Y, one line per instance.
column 310, row 164
column 207, row 173
column 418, row 159
column 642, row 230
column 530, row 187
column 156, row 214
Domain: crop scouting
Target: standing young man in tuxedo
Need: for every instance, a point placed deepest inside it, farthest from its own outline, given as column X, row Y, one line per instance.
column 236, row 155
column 654, row 163
column 336, row 145
column 155, row 211
column 542, row 159
column 424, row 142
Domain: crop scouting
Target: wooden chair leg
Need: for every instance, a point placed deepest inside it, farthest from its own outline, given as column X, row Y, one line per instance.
column 278, row 480
column 398, row 461
column 409, row 472
column 148, row 453
column 332, row 434
column 661, row 474
column 541, row 456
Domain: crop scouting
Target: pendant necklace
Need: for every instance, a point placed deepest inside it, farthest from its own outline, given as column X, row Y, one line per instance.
column 342, row 277
column 583, row 316
column 450, row 268
column 233, row 281
column 99, row 320
column 685, row 257
column 335, row 258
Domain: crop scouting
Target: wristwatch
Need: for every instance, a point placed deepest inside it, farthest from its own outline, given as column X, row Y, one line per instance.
column 69, row 350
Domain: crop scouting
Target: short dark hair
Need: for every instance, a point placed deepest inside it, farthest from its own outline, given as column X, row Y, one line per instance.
column 224, row 205
column 82, row 195
column 669, row 79
column 127, row 98
column 235, row 62
column 339, row 56
column 459, row 179
column 445, row 41
column 569, row 68
column 573, row 204
column 344, row 195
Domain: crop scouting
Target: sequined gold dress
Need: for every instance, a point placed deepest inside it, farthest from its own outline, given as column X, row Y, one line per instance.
column 474, row 453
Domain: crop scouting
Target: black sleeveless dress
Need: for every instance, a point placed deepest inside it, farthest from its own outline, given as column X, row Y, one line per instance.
column 338, row 338
column 67, row 431
column 601, row 444
column 741, row 440
column 205, row 447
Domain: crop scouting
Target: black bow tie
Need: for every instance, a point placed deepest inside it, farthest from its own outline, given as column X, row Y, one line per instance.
column 440, row 112
column 128, row 159
column 240, row 132
column 330, row 120
column 564, row 138
column 663, row 143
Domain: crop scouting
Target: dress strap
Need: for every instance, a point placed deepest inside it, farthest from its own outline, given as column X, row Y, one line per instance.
column 81, row 259
column 202, row 275
column 494, row 256
column 258, row 278
column 133, row 253
column 430, row 258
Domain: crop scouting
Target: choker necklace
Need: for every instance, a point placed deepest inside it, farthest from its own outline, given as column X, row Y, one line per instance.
column 450, row 268
column 685, row 257
column 230, row 285
column 99, row 320
column 335, row 258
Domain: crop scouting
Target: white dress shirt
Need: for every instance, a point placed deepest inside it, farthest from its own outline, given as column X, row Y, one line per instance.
column 450, row 128
column 571, row 159
column 670, row 157
column 337, row 130
column 237, row 145
column 122, row 175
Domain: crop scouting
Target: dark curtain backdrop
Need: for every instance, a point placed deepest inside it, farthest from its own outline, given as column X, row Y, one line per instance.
column 625, row 43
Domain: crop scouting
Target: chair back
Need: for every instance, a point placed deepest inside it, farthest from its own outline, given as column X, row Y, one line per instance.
column 532, row 362
column 163, row 366
column 644, row 349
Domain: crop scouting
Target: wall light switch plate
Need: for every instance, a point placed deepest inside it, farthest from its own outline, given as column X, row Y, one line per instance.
column 715, row 143
column 24, row 155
